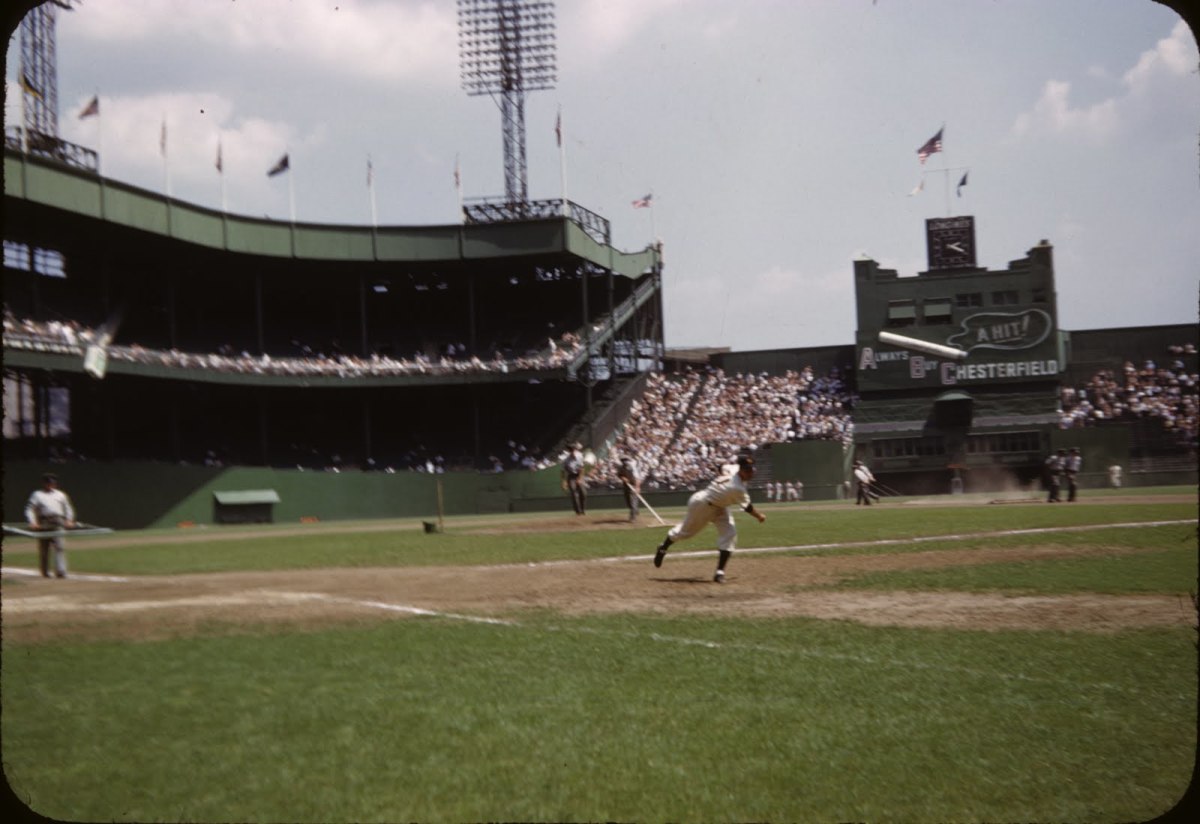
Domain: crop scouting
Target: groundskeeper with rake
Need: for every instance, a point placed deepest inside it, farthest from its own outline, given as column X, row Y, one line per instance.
column 627, row 474
column 711, row 505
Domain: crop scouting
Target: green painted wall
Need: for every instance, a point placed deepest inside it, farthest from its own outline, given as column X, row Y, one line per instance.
column 135, row 495
column 820, row 465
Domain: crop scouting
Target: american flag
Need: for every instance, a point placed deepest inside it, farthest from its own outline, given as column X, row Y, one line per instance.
column 932, row 145
column 643, row 202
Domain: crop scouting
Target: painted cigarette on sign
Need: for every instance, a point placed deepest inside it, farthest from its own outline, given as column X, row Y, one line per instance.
column 921, row 345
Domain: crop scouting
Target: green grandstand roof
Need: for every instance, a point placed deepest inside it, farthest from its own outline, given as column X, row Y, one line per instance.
column 40, row 181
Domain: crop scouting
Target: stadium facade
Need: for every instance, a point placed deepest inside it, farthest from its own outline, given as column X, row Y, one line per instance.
column 169, row 352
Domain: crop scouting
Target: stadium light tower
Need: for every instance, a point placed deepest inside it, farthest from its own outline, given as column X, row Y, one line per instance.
column 39, row 72
column 507, row 48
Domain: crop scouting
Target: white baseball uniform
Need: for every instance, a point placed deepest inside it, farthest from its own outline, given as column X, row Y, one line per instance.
column 711, row 505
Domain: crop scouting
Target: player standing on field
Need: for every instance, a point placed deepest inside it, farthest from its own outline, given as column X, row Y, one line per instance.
column 573, row 478
column 1071, row 467
column 49, row 508
column 711, row 505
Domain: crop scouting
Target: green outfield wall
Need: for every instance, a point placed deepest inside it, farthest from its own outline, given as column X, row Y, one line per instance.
column 136, row 495
column 821, row 466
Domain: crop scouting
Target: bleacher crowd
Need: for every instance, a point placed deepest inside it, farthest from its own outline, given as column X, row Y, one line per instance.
column 688, row 424
column 685, row 425
column 1167, row 393
column 69, row 337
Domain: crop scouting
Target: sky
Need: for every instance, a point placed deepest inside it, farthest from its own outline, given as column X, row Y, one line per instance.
column 778, row 137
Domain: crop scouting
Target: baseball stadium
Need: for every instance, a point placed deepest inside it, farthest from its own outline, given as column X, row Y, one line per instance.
column 323, row 565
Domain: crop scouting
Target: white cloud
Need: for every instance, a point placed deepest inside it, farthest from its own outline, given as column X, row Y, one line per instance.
column 1173, row 55
column 1054, row 113
column 368, row 40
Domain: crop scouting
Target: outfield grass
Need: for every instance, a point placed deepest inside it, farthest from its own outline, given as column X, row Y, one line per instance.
column 628, row 717
column 606, row 719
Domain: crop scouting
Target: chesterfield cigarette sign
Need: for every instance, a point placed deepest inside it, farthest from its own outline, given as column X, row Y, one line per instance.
column 1000, row 346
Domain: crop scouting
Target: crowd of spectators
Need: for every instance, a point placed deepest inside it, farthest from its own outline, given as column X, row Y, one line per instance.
column 1166, row 393
column 69, row 337
column 686, row 426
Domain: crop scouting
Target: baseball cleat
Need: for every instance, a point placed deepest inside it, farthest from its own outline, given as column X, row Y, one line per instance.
column 720, row 576
column 659, row 554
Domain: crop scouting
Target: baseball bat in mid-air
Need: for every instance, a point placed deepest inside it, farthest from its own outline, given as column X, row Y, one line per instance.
column 922, row 345
column 643, row 500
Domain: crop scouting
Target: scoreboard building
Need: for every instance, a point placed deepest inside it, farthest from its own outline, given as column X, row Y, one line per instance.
column 958, row 367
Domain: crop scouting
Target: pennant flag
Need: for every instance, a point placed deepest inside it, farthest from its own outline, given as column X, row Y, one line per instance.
column 28, row 87
column 558, row 128
column 220, row 164
column 932, row 145
column 961, row 183
column 643, row 202
column 91, row 108
column 162, row 137
column 279, row 168
column 918, row 188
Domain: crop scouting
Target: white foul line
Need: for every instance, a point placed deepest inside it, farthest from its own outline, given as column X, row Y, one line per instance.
column 918, row 539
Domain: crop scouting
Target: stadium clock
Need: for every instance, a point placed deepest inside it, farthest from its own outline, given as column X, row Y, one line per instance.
column 950, row 242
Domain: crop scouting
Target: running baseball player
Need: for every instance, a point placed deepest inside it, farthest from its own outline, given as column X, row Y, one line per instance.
column 49, row 508
column 711, row 505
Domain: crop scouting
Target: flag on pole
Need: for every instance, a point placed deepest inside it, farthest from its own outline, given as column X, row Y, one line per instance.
column 370, row 172
column 457, row 175
column 280, row 167
column 92, row 108
column 28, row 87
column 918, row 188
column 643, row 202
column 961, row 183
column 558, row 129
column 162, row 137
column 220, row 163
column 932, row 145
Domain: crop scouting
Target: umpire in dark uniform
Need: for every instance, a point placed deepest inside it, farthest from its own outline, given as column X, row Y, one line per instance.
column 1055, row 465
